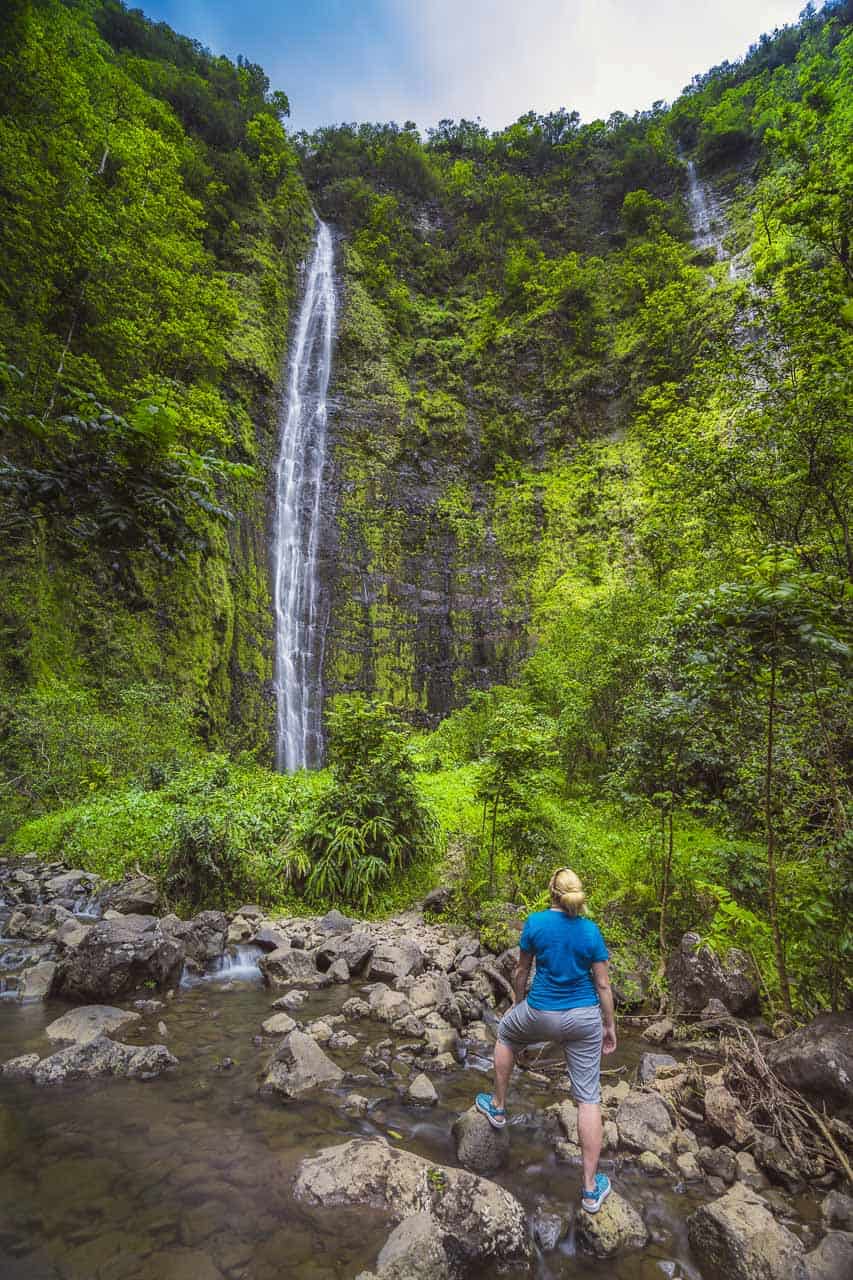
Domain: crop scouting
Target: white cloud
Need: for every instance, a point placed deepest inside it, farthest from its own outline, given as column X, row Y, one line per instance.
column 499, row 58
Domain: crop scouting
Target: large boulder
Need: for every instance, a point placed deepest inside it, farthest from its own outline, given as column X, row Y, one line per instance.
column 414, row 1251
column 104, row 1057
column 393, row 962
column 738, row 1238
column 203, row 937
column 817, row 1059
column 616, row 1227
column 832, row 1259
column 79, row 1026
column 355, row 949
column 290, row 966
column 118, row 956
column 479, row 1146
column 37, row 982
column 135, row 896
column 696, row 975
column 478, row 1219
column 724, row 1113
column 300, row 1064
column 645, row 1123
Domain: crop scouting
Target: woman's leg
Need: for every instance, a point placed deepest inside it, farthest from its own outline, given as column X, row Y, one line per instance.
column 589, row 1133
column 504, row 1062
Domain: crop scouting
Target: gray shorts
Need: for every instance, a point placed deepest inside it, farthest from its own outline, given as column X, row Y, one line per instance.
column 579, row 1031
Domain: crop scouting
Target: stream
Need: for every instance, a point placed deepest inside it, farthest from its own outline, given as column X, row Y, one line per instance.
column 188, row 1177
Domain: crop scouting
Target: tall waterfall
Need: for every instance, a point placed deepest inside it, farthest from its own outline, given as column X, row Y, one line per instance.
column 299, row 619
column 708, row 224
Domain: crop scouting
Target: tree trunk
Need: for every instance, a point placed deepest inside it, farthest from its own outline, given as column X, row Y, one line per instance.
column 667, row 842
column 771, row 835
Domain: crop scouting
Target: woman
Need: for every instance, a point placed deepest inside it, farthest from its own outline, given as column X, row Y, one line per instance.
column 570, row 1002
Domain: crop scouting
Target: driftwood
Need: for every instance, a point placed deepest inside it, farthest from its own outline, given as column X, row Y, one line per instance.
column 777, row 1110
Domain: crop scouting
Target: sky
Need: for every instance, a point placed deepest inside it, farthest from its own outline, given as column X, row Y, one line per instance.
column 423, row 60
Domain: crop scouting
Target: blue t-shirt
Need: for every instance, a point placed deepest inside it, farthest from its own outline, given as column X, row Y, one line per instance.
column 565, row 948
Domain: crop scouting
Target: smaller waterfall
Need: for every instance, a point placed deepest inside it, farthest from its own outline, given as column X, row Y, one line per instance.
column 300, row 625
column 708, row 223
column 239, row 964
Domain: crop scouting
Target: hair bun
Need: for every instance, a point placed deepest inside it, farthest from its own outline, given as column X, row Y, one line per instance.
column 567, row 889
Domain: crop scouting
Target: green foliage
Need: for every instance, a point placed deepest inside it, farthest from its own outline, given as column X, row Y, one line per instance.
column 371, row 823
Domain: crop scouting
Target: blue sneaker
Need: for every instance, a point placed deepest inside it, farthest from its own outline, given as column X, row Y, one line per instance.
column 496, row 1116
column 593, row 1200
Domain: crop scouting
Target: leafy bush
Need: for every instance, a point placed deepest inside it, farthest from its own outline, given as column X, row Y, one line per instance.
column 372, row 822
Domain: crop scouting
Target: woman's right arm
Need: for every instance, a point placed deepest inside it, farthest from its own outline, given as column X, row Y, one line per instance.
column 601, row 978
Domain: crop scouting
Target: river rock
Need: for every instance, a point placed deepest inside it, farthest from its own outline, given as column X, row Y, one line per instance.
column 355, row 949
column 778, row 1162
column 688, row 1166
column 430, row 991
column 203, row 937
column 414, row 1251
column 817, row 1059
column 651, row 1164
column 120, row 955
column 135, row 896
column 288, row 965
column 104, row 1057
column 479, row 1219
column 300, row 1064
column 37, row 982
column 718, row 1162
column 724, row 1113
column 79, row 1026
column 738, row 1238
column 279, row 1024
column 268, row 938
column 832, row 1259
column 660, row 1031
column 392, row 962
column 387, row 1005
column 20, row 1068
column 836, row 1210
column 748, row 1172
column 617, row 1226
column 650, row 1063
column 645, row 1123
column 548, row 1230
column 479, row 1146
column 437, row 901
column 422, row 1092
column 696, row 975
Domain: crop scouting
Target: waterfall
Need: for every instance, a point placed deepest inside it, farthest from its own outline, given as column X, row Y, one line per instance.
column 299, row 620
column 707, row 221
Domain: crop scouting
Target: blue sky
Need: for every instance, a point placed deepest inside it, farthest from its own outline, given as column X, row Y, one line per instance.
column 424, row 59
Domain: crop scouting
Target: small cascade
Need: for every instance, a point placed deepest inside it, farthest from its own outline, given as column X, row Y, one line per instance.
column 300, row 623
column 238, row 964
column 88, row 907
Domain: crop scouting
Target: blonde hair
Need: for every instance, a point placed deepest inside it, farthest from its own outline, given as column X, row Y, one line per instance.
column 566, row 889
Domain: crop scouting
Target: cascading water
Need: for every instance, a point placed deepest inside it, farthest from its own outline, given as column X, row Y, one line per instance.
column 706, row 219
column 299, row 619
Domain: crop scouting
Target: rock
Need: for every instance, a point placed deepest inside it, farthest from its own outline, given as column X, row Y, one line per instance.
column 79, row 1026
column 354, row 1008
column 293, row 1000
column 430, row 991
column 342, row 1040
column 613, row 1094
column 725, row 1114
column 719, row 1162
column 696, row 975
column 37, row 982
column 779, row 1163
column 688, row 1166
column 832, row 1259
column 660, row 1031
column 836, row 1210
column 548, row 1230
column 650, row 1063
column 738, row 1238
column 280, row 1024
column 748, row 1172
column 269, row 938
column 203, row 938
column 355, row 949
column 148, row 1006
column 339, row 970
column 421, row 1091
column 650, row 1163
column 287, row 965
column 439, row 1041
column 437, row 901
column 616, row 1226
column 20, row 1068
column 645, row 1123
column 479, row 1219
column 135, row 896
column 714, row 1009
column 393, row 963
column 817, row 1059
column 335, row 922
column 414, row 1251
column 356, row 1105
column 71, row 934
column 250, row 911
column 479, row 1146
column 104, row 1057
column 387, row 1005
column 120, row 955
column 565, row 1116
column 300, row 1064
column 239, row 930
